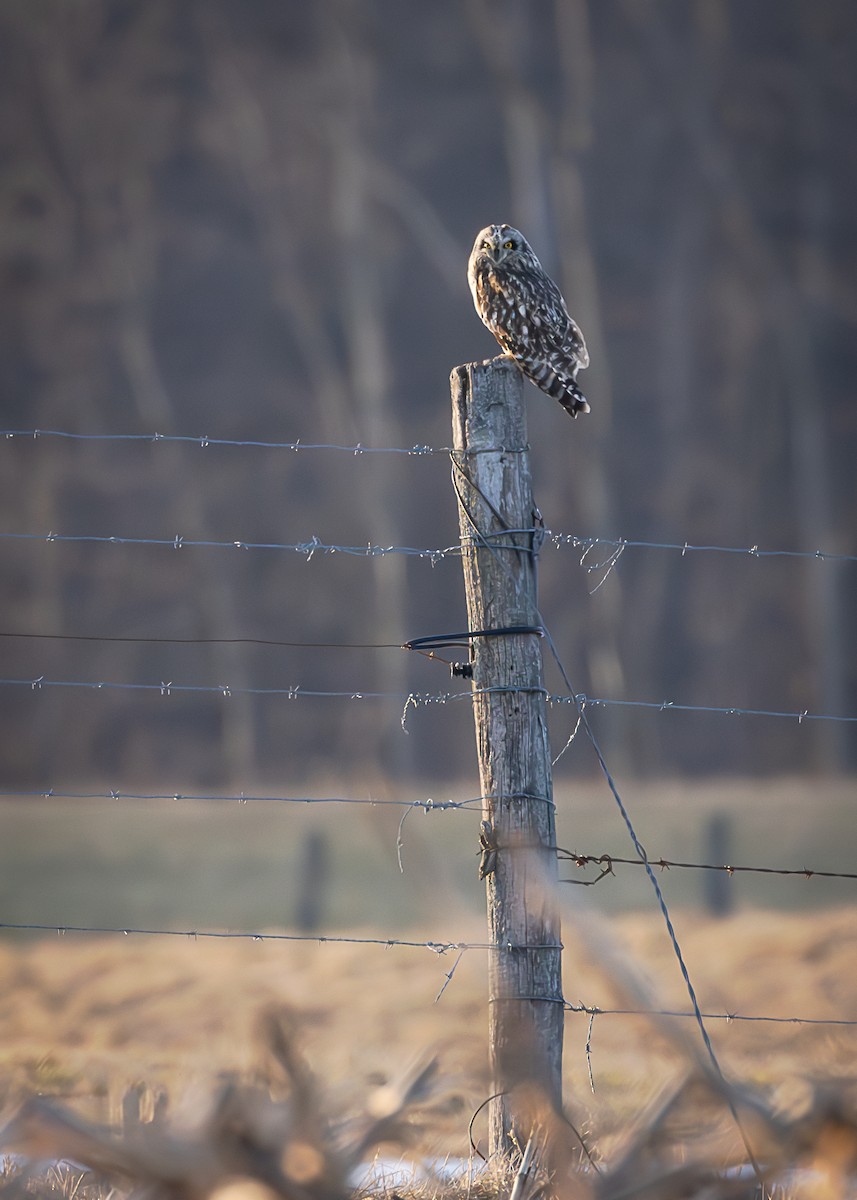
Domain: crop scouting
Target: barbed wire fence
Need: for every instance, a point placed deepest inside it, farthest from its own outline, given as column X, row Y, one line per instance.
column 597, row 555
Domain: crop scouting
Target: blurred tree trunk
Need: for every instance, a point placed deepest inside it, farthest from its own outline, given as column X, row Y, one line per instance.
column 215, row 598
column 120, row 249
column 758, row 262
column 250, row 127
column 593, row 497
column 820, row 611
column 351, row 383
column 358, row 226
column 810, row 448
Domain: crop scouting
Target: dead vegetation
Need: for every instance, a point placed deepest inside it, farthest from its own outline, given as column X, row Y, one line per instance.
column 282, row 1142
column 132, row 1069
column 252, row 1142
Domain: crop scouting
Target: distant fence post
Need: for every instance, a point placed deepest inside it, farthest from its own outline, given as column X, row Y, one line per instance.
column 312, row 879
column 717, row 849
column 496, row 515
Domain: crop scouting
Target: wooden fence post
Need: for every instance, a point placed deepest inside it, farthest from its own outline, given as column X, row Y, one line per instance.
column 497, row 518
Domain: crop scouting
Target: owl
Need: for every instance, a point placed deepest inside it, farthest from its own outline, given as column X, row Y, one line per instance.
column 524, row 309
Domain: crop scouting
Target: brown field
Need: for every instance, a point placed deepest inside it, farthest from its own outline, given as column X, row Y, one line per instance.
column 83, row 1017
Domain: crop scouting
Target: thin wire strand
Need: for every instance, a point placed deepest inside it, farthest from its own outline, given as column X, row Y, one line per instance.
column 641, row 853
column 204, row 641
column 662, row 904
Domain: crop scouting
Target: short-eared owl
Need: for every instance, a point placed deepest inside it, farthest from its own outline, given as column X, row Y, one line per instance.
column 524, row 309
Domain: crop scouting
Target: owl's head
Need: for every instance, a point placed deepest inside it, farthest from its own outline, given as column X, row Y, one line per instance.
column 495, row 244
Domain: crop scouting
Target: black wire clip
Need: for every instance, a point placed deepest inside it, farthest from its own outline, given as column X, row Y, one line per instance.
column 441, row 641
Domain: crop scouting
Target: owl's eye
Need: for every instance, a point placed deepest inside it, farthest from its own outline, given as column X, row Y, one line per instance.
column 486, row 245
column 509, row 245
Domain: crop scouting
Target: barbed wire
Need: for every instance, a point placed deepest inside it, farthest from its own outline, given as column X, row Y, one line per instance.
column 418, row 699
column 608, row 861
column 556, row 539
column 314, row 545
column 582, row 702
column 593, row 1010
column 720, row 710
column 576, row 541
column 204, row 442
column 435, row 945
column 293, row 692
column 427, row 804
column 307, row 548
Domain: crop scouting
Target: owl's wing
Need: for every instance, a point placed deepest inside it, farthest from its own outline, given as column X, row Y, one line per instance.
column 559, row 328
column 575, row 340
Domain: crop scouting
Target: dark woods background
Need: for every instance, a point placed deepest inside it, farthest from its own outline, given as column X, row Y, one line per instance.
column 253, row 221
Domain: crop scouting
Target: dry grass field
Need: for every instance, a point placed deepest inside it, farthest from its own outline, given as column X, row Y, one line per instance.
column 217, row 864
column 85, row 1017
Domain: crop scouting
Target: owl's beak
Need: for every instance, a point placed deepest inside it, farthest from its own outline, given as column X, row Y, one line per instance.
column 494, row 253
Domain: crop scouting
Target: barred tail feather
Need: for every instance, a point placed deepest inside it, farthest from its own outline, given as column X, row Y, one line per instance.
column 559, row 387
